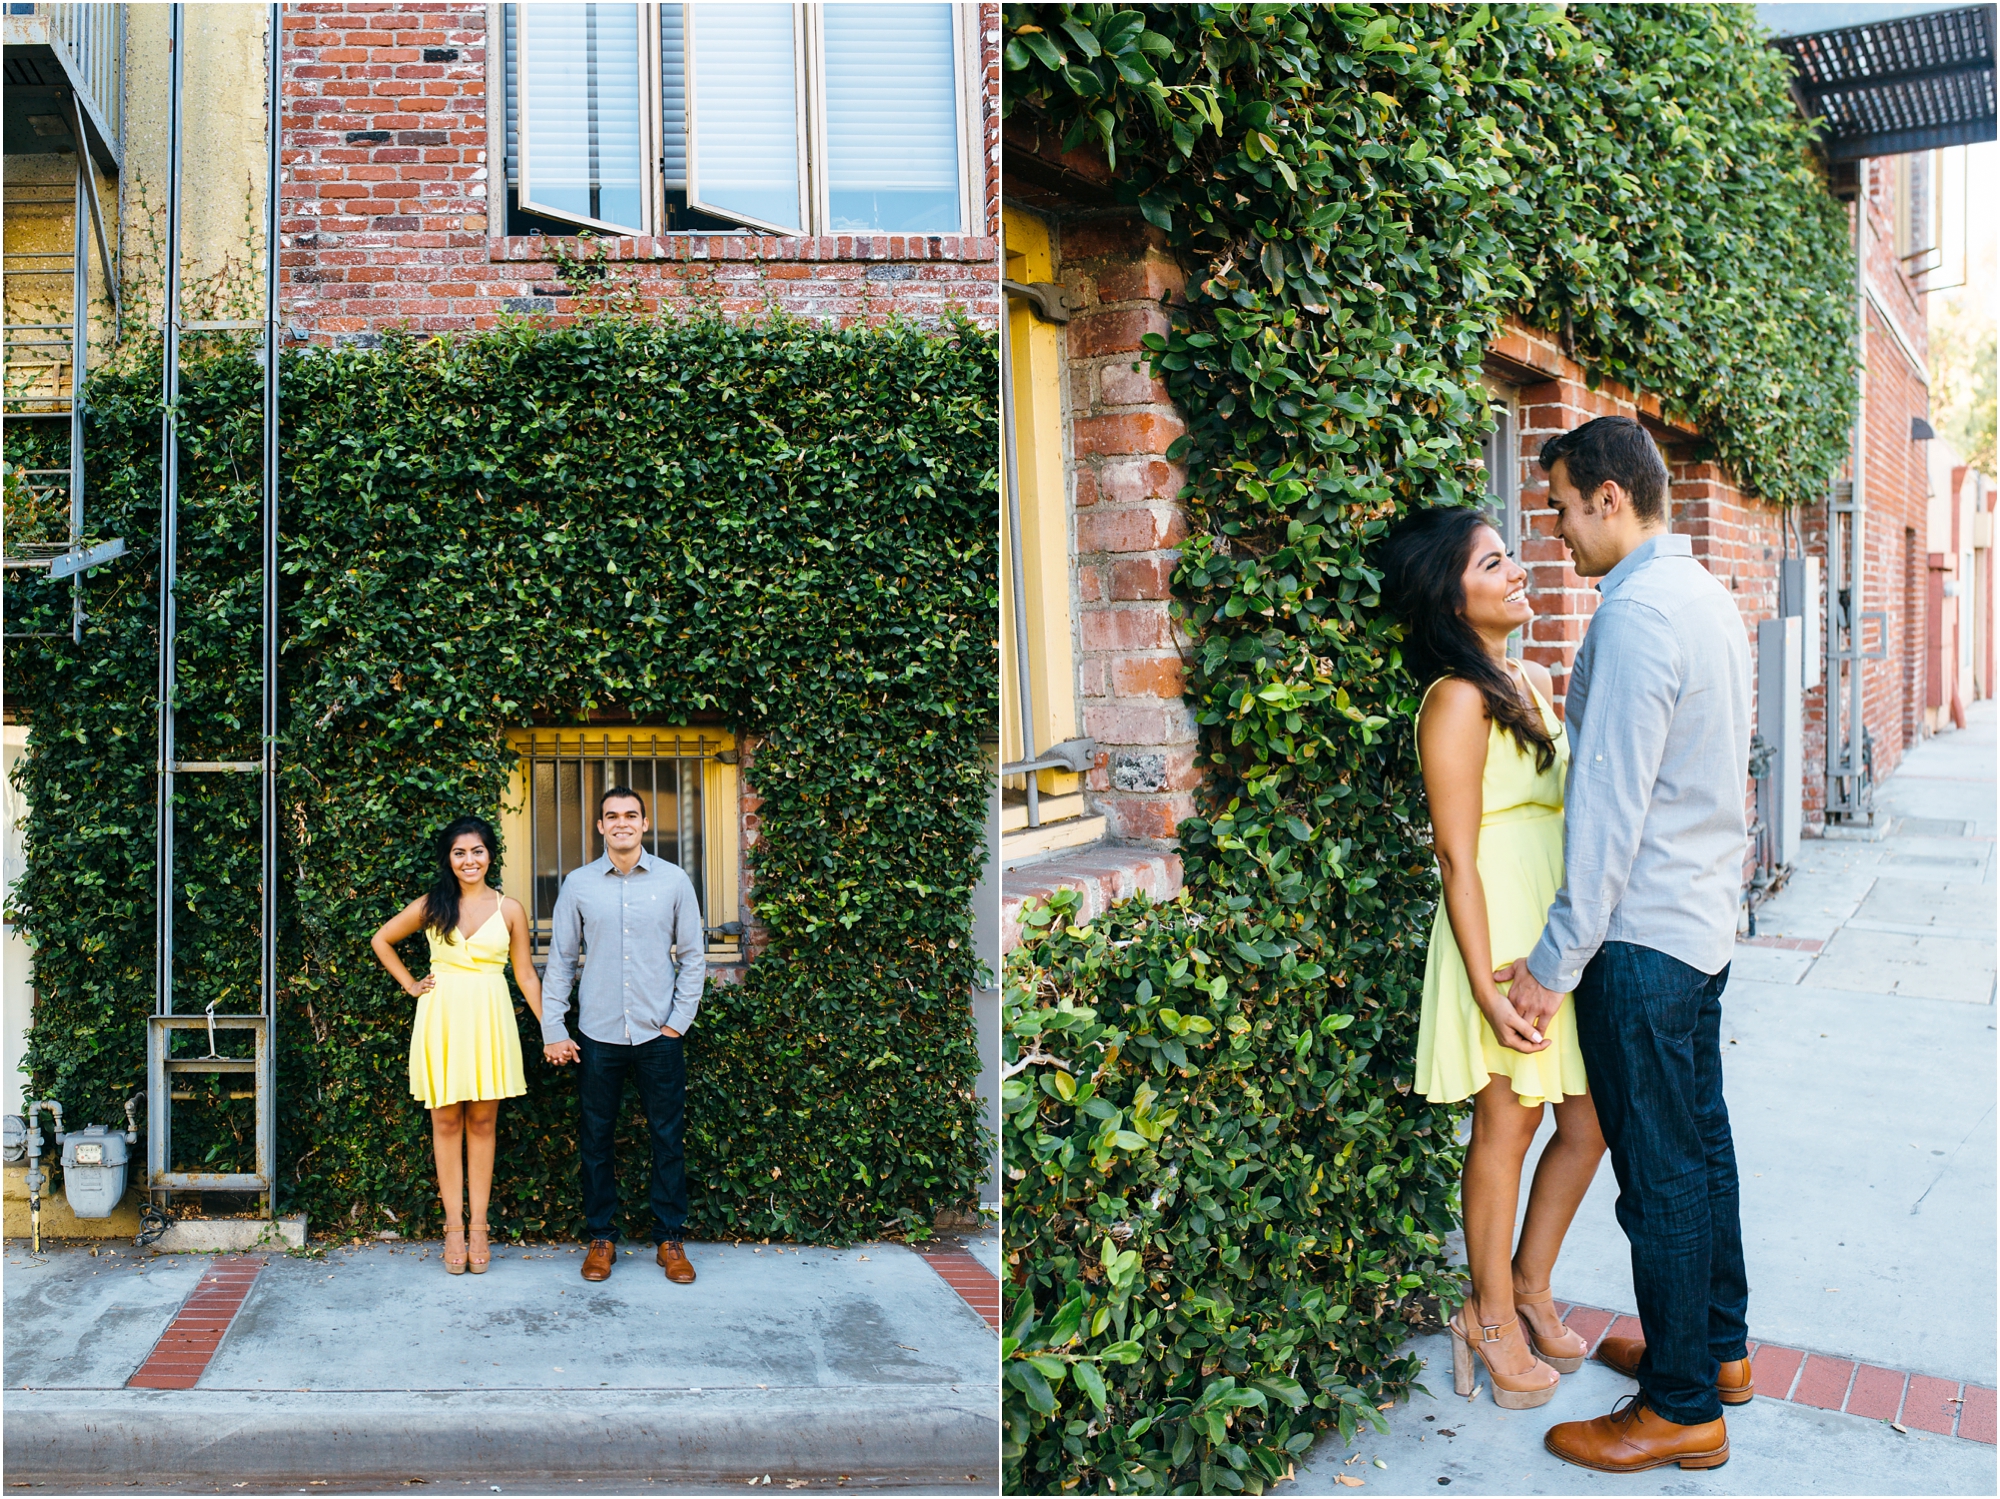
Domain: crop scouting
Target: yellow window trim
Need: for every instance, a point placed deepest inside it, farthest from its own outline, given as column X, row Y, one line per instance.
column 1035, row 349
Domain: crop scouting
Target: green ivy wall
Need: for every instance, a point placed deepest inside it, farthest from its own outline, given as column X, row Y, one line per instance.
column 778, row 527
column 1225, row 1206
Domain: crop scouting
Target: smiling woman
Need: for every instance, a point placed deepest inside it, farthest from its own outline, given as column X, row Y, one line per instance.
column 465, row 1052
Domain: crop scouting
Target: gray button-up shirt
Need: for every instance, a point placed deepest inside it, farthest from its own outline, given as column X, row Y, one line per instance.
column 648, row 953
column 1658, row 713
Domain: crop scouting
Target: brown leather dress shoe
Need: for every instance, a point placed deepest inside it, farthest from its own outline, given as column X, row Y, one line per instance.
column 1635, row 1437
column 597, row 1264
column 673, row 1259
column 1734, row 1385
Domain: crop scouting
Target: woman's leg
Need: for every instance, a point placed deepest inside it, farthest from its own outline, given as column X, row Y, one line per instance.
column 1502, row 1130
column 448, row 1141
column 1562, row 1177
column 481, row 1120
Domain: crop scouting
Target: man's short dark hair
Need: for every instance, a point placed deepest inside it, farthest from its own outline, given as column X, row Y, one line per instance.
column 1618, row 449
column 621, row 793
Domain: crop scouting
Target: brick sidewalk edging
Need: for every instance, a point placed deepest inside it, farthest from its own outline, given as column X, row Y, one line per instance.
column 1943, row 1407
column 978, row 1286
column 182, row 1355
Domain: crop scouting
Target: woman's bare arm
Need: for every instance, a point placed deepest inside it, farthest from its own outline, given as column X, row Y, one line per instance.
column 1452, row 738
column 523, row 953
column 404, row 924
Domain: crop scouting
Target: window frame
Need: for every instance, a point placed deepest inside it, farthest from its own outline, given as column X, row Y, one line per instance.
column 808, row 92
column 722, row 833
column 1503, row 482
column 803, row 106
column 816, row 149
column 651, row 130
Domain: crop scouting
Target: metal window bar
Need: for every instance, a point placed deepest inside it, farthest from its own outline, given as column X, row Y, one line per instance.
column 565, row 774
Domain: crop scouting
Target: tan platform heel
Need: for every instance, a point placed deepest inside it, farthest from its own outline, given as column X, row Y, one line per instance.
column 480, row 1252
column 454, row 1264
column 1514, row 1392
column 1563, row 1354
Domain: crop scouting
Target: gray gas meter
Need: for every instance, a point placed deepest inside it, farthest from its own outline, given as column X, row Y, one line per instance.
column 15, row 1129
column 93, row 1161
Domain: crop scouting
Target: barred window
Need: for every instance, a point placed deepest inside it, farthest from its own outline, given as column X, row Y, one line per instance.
column 652, row 119
column 687, row 779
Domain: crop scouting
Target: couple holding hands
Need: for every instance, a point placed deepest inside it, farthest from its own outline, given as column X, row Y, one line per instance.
column 1591, row 875
column 638, row 918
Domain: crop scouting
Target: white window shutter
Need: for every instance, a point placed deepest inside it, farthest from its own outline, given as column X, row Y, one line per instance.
column 581, row 133
column 892, row 112
column 743, row 86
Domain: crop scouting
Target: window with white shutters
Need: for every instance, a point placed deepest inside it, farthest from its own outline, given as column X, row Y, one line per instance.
column 891, row 91
column 580, row 115
column 745, row 160
column 819, row 119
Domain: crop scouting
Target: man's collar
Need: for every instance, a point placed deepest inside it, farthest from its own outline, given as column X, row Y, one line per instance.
column 1666, row 544
column 646, row 862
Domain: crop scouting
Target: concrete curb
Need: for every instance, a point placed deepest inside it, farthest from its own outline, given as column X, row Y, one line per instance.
column 232, row 1235
column 805, row 1432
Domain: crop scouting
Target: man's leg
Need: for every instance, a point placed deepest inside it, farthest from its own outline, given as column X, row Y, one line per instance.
column 1728, row 1287
column 1638, row 1016
column 600, row 1089
column 662, row 1069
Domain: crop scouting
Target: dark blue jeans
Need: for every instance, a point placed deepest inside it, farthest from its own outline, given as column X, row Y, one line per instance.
column 1650, row 1030
column 660, row 1071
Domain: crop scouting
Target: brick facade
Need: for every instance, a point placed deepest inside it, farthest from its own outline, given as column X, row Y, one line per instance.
column 1738, row 540
column 388, row 211
column 1129, row 526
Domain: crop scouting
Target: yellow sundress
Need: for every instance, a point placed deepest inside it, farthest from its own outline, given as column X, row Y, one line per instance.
column 1520, row 864
column 465, row 1044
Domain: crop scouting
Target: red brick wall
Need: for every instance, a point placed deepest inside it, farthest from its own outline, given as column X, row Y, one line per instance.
column 1738, row 540
column 385, row 206
column 1129, row 527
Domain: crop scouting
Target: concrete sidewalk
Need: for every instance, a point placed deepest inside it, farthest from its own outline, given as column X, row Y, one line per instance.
column 811, row 1365
column 1859, row 1052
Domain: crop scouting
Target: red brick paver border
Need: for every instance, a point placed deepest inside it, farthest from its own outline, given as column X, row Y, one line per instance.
column 182, row 1355
column 979, row 1286
column 1943, row 1407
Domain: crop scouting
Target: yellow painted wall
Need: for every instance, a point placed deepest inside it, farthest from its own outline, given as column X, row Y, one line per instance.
column 222, row 152
column 223, row 176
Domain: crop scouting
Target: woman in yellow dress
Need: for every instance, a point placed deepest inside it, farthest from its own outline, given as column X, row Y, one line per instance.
column 465, row 1048
column 1494, row 756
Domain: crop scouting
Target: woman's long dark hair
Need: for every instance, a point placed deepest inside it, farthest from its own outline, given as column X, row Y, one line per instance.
column 1423, row 564
column 441, row 902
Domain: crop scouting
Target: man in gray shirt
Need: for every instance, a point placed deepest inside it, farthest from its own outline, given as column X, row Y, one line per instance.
column 1658, row 713
column 637, row 1000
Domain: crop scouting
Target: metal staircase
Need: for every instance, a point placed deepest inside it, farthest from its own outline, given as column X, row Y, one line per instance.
column 163, row 1068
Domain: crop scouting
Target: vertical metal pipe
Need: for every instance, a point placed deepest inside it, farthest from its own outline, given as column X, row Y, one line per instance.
column 1860, row 799
column 1024, row 688
column 79, row 361
column 170, row 392
column 159, row 1090
column 267, row 1111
